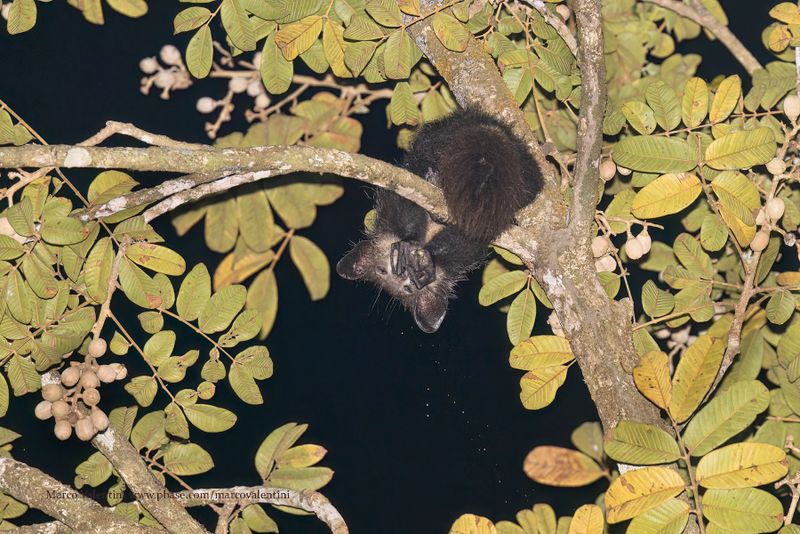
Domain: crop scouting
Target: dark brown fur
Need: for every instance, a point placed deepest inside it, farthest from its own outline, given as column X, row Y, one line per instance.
column 486, row 175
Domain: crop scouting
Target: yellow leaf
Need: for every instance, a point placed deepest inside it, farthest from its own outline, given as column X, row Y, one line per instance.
column 294, row 39
column 694, row 105
column 667, row 194
column 538, row 388
column 588, row 519
column 652, row 378
column 640, row 490
column 334, row 46
column 472, row 524
column 695, row 374
column 728, row 93
column 742, row 465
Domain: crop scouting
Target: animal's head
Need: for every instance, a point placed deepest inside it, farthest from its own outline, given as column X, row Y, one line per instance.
column 376, row 260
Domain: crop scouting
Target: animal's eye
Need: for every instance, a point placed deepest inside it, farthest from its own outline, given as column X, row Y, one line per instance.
column 407, row 289
column 380, row 270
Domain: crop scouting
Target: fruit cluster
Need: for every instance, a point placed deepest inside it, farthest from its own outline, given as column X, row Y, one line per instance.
column 73, row 402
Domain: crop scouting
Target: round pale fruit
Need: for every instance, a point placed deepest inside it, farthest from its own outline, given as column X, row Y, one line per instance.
column 645, row 240
column 85, row 429
column 607, row 170
column 63, row 430
column 89, row 379
column 99, row 419
column 61, row 409
column 605, row 264
column 600, row 246
column 52, row 392
column 776, row 166
column 43, row 410
column 70, row 376
column 106, row 374
column 775, row 208
column 170, row 55
column 760, row 241
column 634, row 249
column 97, row 347
column 90, row 396
column 791, row 106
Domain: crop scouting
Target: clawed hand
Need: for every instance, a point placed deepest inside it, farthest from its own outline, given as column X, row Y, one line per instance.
column 409, row 258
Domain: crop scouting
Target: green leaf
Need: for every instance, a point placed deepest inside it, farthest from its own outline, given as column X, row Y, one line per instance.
column 138, row 286
column 238, row 26
column 403, row 106
column 641, row 444
column 385, row 12
column 450, row 32
column 670, row 517
column 276, row 70
column 312, row 264
column 187, row 459
column 148, row 432
column 747, row 510
column 310, row 478
column 93, row 471
column 640, row 116
column 190, row 19
column 275, row 444
column 656, row 302
column 129, row 8
column 194, row 293
column 244, row 385
column 23, row 376
column 143, row 389
column 741, row 150
column 727, row 414
column 97, row 269
column 655, row 154
column 667, row 194
column 780, row 307
column 398, row 55
column 502, row 286
column 521, row 316
column 200, row 53
column 9, row 248
column 210, row 418
column 159, row 347
column 664, row 102
column 257, row 520
column 4, row 398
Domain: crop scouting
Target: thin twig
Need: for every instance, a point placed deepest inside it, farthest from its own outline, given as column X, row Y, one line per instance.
column 697, row 13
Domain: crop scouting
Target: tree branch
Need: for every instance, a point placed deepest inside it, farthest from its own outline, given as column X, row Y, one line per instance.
column 696, row 12
column 81, row 514
column 240, row 165
column 310, row 501
column 591, row 62
column 148, row 490
column 556, row 23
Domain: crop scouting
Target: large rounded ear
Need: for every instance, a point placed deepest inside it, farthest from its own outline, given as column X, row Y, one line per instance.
column 356, row 263
column 429, row 311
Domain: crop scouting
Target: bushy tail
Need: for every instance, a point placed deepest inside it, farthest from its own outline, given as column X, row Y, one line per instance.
column 484, row 170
